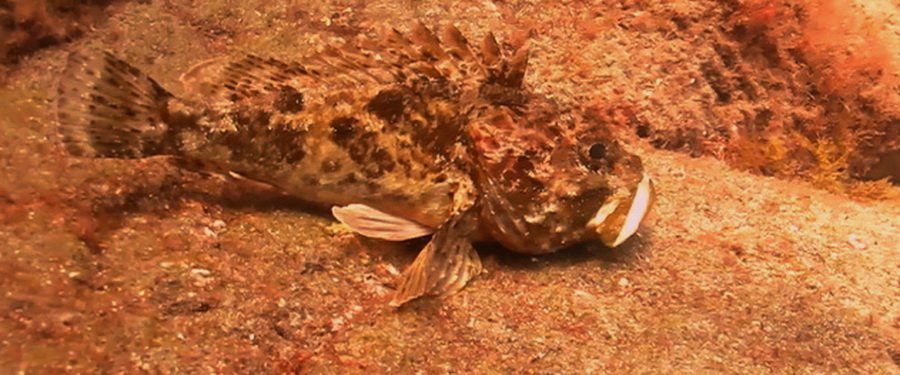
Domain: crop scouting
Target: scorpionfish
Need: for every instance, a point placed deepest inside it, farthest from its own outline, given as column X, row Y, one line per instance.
column 402, row 135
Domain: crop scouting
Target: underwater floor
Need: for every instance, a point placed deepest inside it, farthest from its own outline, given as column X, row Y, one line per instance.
column 768, row 250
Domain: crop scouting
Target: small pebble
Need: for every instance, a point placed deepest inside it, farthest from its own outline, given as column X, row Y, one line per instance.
column 856, row 242
column 391, row 269
column 201, row 272
column 583, row 294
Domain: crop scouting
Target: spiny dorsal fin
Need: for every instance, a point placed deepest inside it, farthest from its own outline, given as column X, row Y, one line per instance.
column 426, row 39
column 400, row 50
column 418, row 54
column 254, row 78
column 515, row 72
column 503, row 69
column 351, row 62
column 395, row 38
column 201, row 81
column 490, row 50
column 457, row 44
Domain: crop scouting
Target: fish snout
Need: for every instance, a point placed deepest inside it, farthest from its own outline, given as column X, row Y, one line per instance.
column 621, row 215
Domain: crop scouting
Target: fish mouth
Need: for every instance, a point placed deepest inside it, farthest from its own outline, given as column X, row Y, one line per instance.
column 621, row 215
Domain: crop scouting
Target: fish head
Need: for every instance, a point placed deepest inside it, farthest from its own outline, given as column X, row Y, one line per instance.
column 552, row 177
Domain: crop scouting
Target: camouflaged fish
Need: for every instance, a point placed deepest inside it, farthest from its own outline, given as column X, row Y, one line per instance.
column 404, row 136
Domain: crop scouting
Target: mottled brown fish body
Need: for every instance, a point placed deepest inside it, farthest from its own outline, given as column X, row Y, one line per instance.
column 407, row 136
column 316, row 134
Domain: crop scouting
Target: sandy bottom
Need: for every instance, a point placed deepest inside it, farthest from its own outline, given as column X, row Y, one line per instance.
column 115, row 265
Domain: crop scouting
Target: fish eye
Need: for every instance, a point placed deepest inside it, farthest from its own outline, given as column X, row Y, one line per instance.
column 597, row 151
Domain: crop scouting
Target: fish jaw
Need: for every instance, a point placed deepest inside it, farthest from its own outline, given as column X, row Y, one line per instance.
column 620, row 216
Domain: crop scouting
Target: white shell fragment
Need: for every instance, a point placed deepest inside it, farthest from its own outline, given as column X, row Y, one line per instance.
column 640, row 204
column 614, row 224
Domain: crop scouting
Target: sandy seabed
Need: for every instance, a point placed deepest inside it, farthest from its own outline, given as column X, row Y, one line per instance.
column 758, row 256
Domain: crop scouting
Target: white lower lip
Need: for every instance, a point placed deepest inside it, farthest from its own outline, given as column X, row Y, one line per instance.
column 639, row 207
column 640, row 204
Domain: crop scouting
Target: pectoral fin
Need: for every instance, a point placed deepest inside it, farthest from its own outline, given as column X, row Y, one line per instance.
column 443, row 267
column 373, row 223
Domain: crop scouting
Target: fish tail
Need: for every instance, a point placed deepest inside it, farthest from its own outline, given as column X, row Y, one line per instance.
column 106, row 108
